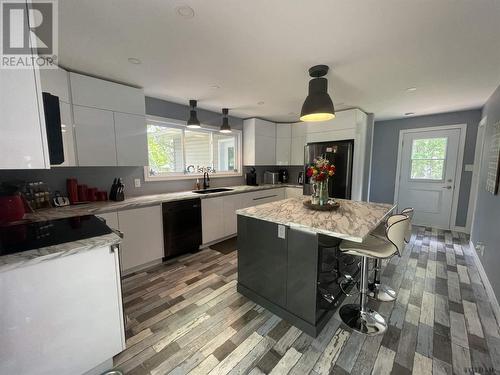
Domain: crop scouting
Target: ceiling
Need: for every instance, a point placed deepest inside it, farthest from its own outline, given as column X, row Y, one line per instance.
column 260, row 51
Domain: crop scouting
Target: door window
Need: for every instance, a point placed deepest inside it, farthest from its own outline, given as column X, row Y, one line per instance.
column 428, row 158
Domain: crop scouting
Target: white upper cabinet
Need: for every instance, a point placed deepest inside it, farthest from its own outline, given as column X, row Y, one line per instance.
column 68, row 135
column 259, row 142
column 97, row 93
column 299, row 140
column 283, row 143
column 23, row 139
column 95, row 136
column 131, row 139
column 55, row 82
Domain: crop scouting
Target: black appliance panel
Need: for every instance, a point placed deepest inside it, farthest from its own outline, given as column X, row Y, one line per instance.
column 28, row 236
column 181, row 227
column 53, row 126
column 340, row 153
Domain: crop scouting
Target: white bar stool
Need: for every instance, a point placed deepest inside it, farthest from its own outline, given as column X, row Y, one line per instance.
column 358, row 316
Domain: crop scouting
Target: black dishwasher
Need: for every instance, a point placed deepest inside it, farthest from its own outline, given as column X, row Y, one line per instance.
column 181, row 227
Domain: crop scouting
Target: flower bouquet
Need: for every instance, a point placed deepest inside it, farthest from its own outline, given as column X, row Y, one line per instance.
column 319, row 172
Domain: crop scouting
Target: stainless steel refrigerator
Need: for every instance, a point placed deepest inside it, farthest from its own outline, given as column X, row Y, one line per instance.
column 340, row 153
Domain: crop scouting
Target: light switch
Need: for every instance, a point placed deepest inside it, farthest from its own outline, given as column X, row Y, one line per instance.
column 281, row 231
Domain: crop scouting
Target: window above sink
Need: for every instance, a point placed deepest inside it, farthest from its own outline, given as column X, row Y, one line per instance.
column 177, row 152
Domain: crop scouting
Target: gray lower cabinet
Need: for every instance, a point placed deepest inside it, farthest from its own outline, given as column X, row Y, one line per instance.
column 281, row 274
column 262, row 260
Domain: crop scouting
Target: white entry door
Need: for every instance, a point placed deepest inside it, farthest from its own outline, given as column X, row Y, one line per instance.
column 427, row 178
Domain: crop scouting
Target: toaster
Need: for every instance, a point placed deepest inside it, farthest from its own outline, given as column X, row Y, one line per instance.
column 271, row 178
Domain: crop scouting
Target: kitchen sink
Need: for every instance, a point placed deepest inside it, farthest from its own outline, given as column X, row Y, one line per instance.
column 214, row 190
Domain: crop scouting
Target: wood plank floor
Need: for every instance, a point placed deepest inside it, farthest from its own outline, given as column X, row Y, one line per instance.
column 185, row 317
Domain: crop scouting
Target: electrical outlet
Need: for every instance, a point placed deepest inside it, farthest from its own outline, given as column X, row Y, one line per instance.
column 281, row 231
column 137, row 182
column 480, row 249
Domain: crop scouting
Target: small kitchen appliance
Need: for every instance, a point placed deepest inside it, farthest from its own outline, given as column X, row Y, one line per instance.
column 271, row 178
column 251, row 177
column 283, row 175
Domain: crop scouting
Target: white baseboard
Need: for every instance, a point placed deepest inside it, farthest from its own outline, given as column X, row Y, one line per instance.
column 489, row 289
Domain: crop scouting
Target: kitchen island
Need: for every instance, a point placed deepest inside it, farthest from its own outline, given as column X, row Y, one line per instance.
column 282, row 263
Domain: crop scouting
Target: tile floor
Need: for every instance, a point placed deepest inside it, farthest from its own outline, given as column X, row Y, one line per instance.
column 185, row 316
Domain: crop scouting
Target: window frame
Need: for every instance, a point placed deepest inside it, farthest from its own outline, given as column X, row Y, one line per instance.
column 445, row 160
column 173, row 123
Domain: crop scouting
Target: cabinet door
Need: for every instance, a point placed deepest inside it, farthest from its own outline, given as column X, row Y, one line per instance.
column 131, row 139
column 212, row 213
column 111, row 219
column 95, row 136
column 230, row 204
column 68, row 136
column 265, row 150
column 283, row 151
column 98, row 93
column 297, row 151
column 143, row 236
column 54, row 309
column 55, row 82
column 23, row 140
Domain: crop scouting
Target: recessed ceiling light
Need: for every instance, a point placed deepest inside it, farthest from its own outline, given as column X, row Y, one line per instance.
column 411, row 89
column 134, row 60
column 214, row 86
column 185, row 11
column 409, row 113
column 260, row 103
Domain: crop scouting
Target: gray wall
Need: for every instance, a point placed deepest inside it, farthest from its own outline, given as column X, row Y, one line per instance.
column 102, row 177
column 385, row 154
column 162, row 108
column 485, row 228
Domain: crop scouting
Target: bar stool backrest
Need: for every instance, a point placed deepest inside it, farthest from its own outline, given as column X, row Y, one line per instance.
column 397, row 226
column 408, row 212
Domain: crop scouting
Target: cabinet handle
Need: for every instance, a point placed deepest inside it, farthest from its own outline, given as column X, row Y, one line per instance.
column 267, row 196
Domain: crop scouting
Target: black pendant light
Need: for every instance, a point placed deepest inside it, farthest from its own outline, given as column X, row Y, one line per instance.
column 225, row 128
column 318, row 105
column 193, row 122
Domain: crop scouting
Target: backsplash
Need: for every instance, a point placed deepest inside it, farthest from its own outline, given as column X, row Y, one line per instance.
column 293, row 172
column 102, row 178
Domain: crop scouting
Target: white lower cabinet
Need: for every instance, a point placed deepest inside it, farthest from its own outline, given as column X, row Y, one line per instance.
column 142, row 229
column 212, row 219
column 219, row 219
column 63, row 315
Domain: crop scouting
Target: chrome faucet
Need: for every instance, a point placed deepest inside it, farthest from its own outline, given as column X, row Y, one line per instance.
column 206, row 180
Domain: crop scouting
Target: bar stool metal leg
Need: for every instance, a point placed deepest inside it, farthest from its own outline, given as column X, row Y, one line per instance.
column 377, row 291
column 358, row 316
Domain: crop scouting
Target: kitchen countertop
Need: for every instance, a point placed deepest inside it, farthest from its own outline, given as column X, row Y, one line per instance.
column 136, row 202
column 31, row 257
column 353, row 220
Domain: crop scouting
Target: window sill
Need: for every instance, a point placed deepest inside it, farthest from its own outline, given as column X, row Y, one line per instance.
column 148, row 178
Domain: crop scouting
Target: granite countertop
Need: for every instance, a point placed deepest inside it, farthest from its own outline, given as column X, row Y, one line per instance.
column 136, row 202
column 353, row 220
column 31, row 257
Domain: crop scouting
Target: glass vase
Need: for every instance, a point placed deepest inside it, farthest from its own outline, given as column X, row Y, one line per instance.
column 322, row 191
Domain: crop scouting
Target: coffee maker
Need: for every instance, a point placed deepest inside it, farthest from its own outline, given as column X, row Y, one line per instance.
column 283, row 176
